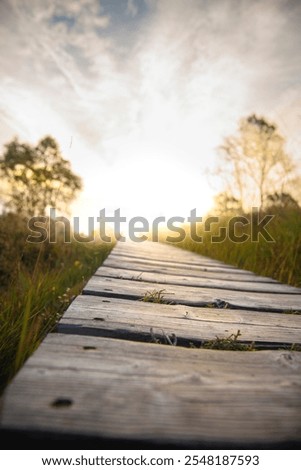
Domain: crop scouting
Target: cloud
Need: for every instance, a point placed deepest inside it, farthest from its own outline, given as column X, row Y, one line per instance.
column 146, row 80
column 132, row 8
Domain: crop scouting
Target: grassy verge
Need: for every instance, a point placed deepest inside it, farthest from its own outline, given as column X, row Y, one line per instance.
column 280, row 259
column 37, row 284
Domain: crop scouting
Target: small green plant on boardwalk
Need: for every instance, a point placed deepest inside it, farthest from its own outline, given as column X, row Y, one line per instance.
column 155, row 296
column 230, row 343
column 295, row 347
column 292, row 312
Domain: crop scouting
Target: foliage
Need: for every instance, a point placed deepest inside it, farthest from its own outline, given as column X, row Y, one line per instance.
column 155, row 296
column 226, row 204
column 37, row 177
column 230, row 343
column 280, row 259
column 37, row 284
column 280, row 201
column 254, row 162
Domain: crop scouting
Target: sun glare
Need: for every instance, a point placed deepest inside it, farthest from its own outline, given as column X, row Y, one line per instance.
column 149, row 185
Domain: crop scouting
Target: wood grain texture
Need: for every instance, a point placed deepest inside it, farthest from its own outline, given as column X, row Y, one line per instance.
column 100, row 316
column 111, row 388
column 180, row 257
column 167, row 252
column 187, row 280
column 186, row 295
column 155, row 250
column 198, row 272
column 178, row 264
column 91, row 379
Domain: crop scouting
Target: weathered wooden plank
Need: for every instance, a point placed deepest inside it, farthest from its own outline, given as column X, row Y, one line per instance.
column 180, row 280
column 140, row 266
column 149, row 248
column 178, row 263
column 170, row 254
column 164, row 251
column 122, row 318
column 126, row 390
column 187, row 295
column 90, row 385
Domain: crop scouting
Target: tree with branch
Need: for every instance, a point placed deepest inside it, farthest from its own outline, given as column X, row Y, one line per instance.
column 37, row 177
column 255, row 163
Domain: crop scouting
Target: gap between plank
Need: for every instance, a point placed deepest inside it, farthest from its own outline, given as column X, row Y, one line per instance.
column 140, row 337
column 205, row 286
column 115, row 295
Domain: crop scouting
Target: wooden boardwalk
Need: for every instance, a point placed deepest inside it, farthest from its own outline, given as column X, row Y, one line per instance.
column 111, row 372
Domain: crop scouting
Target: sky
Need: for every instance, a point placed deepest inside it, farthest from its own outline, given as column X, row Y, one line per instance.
column 140, row 93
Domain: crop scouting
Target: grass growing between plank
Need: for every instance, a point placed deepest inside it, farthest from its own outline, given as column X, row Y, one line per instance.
column 155, row 296
column 230, row 343
column 280, row 259
column 37, row 284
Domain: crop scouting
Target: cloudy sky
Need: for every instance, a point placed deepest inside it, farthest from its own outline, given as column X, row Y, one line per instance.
column 139, row 93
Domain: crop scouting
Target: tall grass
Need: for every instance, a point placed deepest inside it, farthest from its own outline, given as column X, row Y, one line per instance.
column 280, row 259
column 37, row 284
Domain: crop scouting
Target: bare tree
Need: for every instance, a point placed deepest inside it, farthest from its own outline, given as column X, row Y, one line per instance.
column 255, row 163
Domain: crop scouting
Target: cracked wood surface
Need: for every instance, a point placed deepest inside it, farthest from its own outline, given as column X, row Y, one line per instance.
column 100, row 377
column 122, row 389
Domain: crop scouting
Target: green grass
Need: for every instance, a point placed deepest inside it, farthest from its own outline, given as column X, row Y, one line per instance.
column 280, row 260
column 230, row 343
column 38, row 282
column 155, row 296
